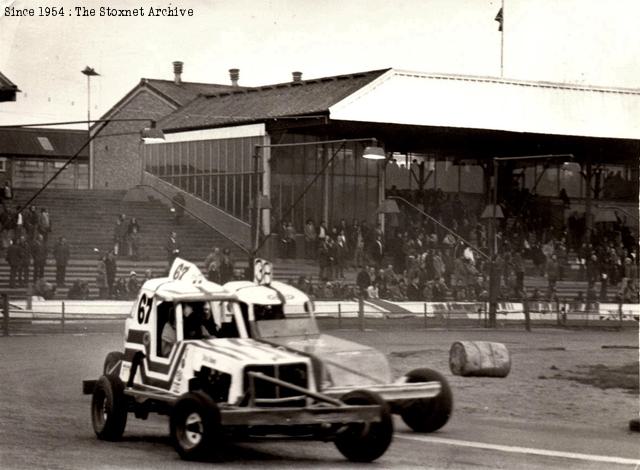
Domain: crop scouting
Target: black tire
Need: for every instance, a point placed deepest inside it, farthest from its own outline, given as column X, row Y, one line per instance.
column 366, row 442
column 112, row 363
column 195, row 426
column 109, row 408
column 428, row 414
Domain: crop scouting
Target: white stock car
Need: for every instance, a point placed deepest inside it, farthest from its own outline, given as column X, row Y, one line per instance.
column 281, row 315
column 190, row 352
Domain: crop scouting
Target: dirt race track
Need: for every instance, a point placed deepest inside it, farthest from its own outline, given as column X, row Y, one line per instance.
column 546, row 414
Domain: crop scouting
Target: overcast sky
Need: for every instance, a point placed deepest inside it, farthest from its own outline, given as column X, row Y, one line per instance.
column 577, row 41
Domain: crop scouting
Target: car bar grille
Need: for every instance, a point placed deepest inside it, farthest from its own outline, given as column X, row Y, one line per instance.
column 265, row 393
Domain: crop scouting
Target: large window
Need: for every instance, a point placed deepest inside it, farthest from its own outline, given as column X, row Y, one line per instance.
column 219, row 172
column 339, row 183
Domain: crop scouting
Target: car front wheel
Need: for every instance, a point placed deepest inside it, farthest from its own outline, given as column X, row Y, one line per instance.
column 365, row 442
column 195, row 426
column 428, row 414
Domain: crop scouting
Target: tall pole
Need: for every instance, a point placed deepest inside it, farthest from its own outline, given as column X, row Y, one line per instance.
column 502, row 41
column 89, row 72
column 493, row 282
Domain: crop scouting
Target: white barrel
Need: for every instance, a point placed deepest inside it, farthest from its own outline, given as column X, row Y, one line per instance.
column 479, row 358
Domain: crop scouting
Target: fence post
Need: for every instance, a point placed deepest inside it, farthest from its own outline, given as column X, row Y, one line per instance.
column 339, row 315
column 5, row 311
column 29, row 296
column 425, row 314
column 63, row 316
column 527, row 313
column 361, row 313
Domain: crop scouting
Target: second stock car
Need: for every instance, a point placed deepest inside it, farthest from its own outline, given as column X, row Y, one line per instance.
column 283, row 316
column 189, row 353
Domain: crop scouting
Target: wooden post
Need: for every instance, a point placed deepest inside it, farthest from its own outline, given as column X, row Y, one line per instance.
column 527, row 313
column 425, row 315
column 361, row 313
column 63, row 317
column 339, row 315
column 5, row 311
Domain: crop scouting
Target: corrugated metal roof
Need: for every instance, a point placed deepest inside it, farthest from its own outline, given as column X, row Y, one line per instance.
column 260, row 103
column 35, row 142
column 421, row 99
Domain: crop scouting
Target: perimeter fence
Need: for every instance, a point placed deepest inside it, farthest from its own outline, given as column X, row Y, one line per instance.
column 24, row 317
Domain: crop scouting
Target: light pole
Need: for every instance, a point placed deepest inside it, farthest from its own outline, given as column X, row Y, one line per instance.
column 372, row 151
column 494, row 281
column 89, row 72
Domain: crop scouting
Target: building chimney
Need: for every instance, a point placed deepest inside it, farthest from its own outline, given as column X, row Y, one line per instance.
column 177, row 72
column 235, row 76
column 297, row 76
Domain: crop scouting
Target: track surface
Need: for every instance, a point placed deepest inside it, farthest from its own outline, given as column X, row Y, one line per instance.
column 521, row 421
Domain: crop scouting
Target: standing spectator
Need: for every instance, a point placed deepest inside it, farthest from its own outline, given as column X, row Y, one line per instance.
column 553, row 271
column 363, row 280
column 61, row 253
column 358, row 247
column 310, row 239
column 101, row 278
column 31, row 222
column 226, row 267
column 7, row 192
column 593, row 270
column 15, row 253
column 172, row 248
column 323, row 233
column 39, row 255
column 377, row 251
column 179, row 204
column 119, row 234
column 518, row 269
column 111, row 269
column 23, row 273
column 7, row 225
column 212, row 265
column 133, row 237
column 324, row 259
column 340, row 254
column 44, row 225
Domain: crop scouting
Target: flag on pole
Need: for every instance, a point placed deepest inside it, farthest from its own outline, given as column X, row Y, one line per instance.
column 499, row 18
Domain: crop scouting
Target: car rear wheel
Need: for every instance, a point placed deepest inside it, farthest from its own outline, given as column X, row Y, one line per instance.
column 428, row 414
column 365, row 442
column 195, row 426
column 109, row 408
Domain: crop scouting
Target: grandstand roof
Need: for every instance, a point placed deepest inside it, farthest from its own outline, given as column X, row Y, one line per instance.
column 30, row 142
column 423, row 99
column 393, row 96
column 234, row 106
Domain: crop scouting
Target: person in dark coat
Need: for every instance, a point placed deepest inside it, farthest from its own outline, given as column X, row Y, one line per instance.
column 172, row 248
column 23, row 272
column 39, row 255
column 363, row 280
column 226, row 267
column 111, row 270
column 15, row 253
column 61, row 253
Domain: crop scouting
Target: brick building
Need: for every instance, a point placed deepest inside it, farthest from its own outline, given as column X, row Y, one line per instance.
column 115, row 155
